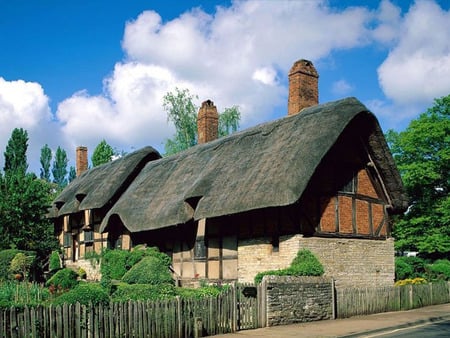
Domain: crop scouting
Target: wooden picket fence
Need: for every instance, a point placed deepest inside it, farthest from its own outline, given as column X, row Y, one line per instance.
column 228, row 312
column 363, row 301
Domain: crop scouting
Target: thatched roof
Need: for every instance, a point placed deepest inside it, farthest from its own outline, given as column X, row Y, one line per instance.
column 97, row 187
column 269, row 165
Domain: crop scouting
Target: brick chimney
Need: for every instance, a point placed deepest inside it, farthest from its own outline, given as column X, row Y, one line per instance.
column 207, row 122
column 81, row 160
column 303, row 86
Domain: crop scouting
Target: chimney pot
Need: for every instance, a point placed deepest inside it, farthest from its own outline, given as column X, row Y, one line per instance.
column 81, row 160
column 303, row 86
column 207, row 122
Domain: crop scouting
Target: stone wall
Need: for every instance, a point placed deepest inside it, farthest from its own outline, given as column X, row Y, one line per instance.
column 350, row 262
column 298, row 299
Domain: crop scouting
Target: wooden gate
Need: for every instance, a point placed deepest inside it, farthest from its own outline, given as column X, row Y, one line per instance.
column 249, row 303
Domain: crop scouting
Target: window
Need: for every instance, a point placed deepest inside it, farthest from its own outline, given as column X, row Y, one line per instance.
column 351, row 185
column 67, row 240
column 88, row 236
column 199, row 248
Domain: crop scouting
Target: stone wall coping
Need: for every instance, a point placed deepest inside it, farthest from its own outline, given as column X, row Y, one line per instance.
column 296, row 279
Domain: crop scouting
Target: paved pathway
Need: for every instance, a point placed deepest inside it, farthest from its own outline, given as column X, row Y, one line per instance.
column 361, row 326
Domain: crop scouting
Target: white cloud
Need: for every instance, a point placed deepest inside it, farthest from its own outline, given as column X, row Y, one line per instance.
column 417, row 69
column 23, row 105
column 341, row 88
column 265, row 75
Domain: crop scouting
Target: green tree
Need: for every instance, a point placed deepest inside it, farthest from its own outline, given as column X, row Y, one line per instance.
column 422, row 153
column 182, row 112
column 59, row 169
column 16, row 152
column 229, row 121
column 72, row 173
column 103, row 153
column 46, row 158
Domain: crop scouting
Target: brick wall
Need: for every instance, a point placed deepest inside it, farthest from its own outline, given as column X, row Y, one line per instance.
column 350, row 262
column 298, row 299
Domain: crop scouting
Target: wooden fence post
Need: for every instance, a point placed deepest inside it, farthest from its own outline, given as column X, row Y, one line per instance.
column 410, row 297
column 333, row 300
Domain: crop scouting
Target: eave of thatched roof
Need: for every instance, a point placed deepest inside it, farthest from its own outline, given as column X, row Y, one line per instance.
column 98, row 186
column 269, row 165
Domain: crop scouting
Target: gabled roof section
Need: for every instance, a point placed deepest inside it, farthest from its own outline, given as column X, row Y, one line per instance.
column 269, row 165
column 97, row 187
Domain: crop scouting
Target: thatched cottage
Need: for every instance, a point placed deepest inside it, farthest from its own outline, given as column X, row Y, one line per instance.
column 321, row 178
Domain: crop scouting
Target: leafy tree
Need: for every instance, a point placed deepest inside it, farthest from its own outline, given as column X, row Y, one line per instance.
column 422, row 153
column 46, row 158
column 182, row 112
column 16, row 152
column 72, row 173
column 59, row 169
column 229, row 121
column 103, row 153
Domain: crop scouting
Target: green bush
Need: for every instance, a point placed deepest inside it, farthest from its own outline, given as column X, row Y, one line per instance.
column 54, row 262
column 409, row 267
column 114, row 263
column 205, row 291
column 125, row 292
column 85, row 294
column 149, row 270
column 304, row 264
column 64, row 279
column 439, row 270
column 6, row 256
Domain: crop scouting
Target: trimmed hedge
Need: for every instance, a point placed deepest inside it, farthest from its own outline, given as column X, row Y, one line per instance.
column 125, row 292
column 85, row 294
column 149, row 270
column 304, row 264
column 64, row 279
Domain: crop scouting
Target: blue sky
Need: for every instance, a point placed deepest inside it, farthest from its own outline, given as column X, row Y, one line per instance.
column 76, row 72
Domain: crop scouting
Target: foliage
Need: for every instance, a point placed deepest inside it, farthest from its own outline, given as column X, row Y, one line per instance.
column 59, row 169
column 64, row 279
column 6, row 256
column 409, row 267
column 21, row 263
column 149, row 270
column 55, row 261
column 114, row 263
column 439, row 270
column 409, row 281
column 304, row 264
column 85, row 294
column 229, row 121
column 202, row 292
column 72, row 174
column 16, row 152
column 422, row 154
column 125, row 292
column 23, row 293
column 45, row 159
column 103, row 153
column 182, row 112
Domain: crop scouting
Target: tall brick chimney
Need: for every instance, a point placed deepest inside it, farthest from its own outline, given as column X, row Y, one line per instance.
column 207, row 122
column 303, row 86
column 81, row 160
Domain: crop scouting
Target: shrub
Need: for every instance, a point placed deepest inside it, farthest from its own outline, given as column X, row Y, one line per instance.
column 409, row 267
column 439, row 270
column 304, row 264
column 410, row 281
column 114, row 263
column 203, row 292
column 85, row 294
column 6, row 256
column 64, row 279
column 125, row 292
column 54, row 262
column 149, row 270
column 21, row 264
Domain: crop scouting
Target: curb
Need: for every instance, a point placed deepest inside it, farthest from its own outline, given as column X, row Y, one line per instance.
column 396, row 327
